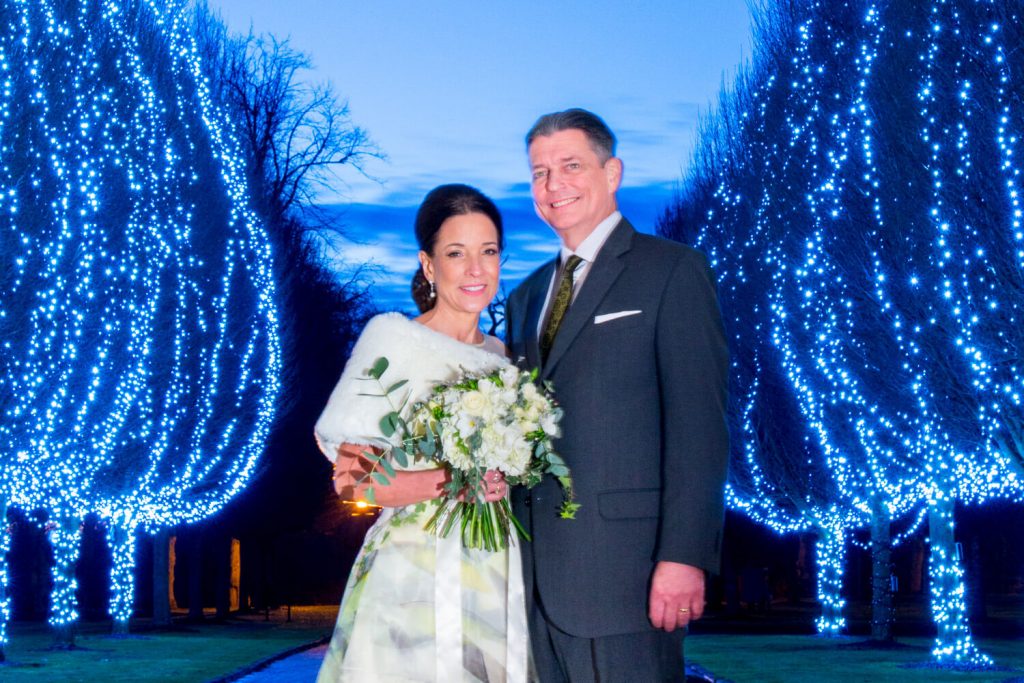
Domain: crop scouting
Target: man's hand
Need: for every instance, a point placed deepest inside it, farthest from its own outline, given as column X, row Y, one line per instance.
column 677, row 595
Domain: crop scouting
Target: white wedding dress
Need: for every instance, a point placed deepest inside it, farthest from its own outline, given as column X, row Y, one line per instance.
column 417, row 607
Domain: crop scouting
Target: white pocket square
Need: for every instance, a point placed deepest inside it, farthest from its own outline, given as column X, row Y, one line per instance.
column 605, row 317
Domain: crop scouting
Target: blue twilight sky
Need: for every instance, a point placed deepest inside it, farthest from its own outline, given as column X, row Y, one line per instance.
column 448, row 88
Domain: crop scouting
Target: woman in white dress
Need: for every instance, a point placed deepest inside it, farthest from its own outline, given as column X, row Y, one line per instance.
column 418, row 607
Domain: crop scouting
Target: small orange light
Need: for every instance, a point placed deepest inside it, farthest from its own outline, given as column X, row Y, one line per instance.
column 361, row 504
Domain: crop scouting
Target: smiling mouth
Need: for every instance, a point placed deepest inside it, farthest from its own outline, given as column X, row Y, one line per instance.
column 473, row 289
column 563, row 202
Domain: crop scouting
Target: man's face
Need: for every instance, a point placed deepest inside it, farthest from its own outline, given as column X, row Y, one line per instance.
column 572, row 190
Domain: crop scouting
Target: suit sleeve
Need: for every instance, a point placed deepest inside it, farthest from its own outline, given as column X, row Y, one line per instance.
column 693, row 361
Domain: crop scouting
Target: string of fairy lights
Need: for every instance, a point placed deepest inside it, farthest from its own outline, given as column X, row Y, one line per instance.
column 141, row 379
column 868, row 244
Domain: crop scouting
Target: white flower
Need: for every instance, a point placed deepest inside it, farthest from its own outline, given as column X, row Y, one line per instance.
column 527, row 422
column 474, row 403
column 500, row 398
column 549, row 422
column 517, row 456
column 454, row 455
column 509, row 376
column 467, row 425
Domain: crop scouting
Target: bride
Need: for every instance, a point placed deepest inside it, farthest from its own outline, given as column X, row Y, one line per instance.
column 418, row 607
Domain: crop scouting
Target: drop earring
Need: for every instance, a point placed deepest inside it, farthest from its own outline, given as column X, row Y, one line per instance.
column 432, row 292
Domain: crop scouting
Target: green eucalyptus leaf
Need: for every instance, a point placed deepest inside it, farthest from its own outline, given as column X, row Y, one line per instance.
column 388, row 468
column 389, row 424
column 380, row 478
column 397, row 385
column 371, row 495
column 380, row 366
column 401, row 457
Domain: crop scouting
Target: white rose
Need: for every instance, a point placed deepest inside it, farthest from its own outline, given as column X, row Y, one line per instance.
column 474, row 403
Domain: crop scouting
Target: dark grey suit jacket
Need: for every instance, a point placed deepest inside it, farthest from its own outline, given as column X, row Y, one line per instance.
column 644, row 431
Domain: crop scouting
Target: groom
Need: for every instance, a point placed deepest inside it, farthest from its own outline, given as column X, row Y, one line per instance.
column 626, row 326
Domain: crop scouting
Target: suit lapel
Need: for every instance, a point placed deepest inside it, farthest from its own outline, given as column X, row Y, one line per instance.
column 602, row 275
column 535, row 306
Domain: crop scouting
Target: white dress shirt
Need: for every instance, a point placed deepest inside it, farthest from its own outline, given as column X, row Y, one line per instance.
column 587, row 250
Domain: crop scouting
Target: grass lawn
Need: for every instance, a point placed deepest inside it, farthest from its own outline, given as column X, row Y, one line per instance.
column 192, row 652
column 812, row 659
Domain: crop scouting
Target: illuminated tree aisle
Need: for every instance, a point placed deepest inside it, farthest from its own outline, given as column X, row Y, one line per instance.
column 143, row 373
column 858, row 194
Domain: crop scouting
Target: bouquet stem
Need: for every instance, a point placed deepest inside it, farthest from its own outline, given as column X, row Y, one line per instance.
column 486, row 526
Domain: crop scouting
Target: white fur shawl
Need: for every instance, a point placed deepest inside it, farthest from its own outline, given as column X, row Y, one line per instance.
column 415, row 353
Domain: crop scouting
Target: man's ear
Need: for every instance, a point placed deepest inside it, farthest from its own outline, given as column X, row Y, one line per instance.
column 613, row 171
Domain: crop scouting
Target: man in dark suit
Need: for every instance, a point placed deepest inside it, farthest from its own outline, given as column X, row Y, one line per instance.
column 627, row 328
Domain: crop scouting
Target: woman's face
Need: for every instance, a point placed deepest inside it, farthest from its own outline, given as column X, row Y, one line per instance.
column 466, row 263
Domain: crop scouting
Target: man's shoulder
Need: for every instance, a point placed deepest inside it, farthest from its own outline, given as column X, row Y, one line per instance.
column 658, row 250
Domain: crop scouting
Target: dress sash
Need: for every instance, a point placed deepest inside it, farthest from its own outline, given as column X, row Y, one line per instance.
column 448, row 644
column 448, row 608
column 517, row 644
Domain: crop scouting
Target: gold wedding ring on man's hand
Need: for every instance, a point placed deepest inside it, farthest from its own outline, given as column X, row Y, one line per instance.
column 684, row 610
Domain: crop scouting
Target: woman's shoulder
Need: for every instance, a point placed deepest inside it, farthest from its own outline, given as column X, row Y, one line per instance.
column 383, row 323
column 406, row 341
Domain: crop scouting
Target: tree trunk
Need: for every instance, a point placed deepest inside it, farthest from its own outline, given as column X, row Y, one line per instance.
column 65, row 533
column 222, row 552
column 161, row 578
column 195, row 577
column 881, row 575
column 5, row 599
column 975, row 582
column 122, row 576
column 953, row 644
column 831, row 557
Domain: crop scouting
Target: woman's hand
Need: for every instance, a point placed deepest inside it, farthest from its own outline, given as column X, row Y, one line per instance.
column 492, row 486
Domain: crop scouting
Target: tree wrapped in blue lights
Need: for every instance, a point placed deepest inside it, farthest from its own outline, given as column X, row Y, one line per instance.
column 141, row 354
column 873, row 145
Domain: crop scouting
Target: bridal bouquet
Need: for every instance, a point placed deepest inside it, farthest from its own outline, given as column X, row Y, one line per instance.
column 496, row 421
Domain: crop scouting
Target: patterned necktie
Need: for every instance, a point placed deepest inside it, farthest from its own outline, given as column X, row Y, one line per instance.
column 563, row 296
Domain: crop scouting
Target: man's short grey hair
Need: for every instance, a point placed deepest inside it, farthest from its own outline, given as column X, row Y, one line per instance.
column 600, row 136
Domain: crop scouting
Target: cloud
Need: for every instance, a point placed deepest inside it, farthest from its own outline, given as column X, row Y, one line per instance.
column 381, row 235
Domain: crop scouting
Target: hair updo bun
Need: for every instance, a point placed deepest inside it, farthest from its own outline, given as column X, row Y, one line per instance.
column 421, row 292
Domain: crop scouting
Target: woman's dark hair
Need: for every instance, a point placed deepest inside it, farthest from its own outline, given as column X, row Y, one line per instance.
column 439, row 205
